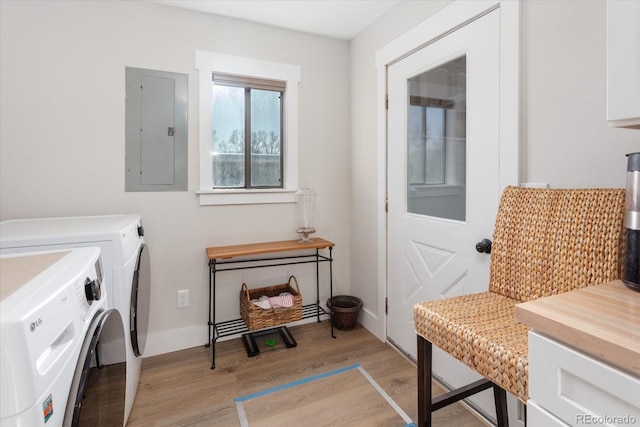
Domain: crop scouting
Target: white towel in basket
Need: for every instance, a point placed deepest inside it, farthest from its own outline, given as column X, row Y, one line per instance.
column 263, row 302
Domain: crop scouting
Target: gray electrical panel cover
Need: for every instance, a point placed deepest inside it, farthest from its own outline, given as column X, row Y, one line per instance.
column 156, row 130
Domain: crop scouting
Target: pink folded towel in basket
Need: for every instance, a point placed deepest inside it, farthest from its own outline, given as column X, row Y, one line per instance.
column 285, row 299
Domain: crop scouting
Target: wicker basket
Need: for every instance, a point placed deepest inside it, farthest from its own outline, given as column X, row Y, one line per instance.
column 259, row 318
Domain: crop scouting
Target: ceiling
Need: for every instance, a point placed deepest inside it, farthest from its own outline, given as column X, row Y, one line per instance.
column 342, row 19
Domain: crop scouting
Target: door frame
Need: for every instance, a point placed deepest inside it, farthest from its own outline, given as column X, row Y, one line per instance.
column 455, row 15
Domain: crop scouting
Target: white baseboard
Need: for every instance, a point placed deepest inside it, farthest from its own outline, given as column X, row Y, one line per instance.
column 192, row 336
column 371, row 322
column 112, row 351
column 175, row 339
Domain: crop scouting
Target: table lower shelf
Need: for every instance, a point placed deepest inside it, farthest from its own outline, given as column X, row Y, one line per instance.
column 267, row 340
column 237, row 326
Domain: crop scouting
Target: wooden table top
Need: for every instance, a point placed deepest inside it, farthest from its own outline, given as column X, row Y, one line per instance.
column 225, row 252
column 601, row 320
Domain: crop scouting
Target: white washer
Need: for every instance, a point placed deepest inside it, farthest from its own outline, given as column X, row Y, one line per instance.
column 52, row 309
column 126, row 260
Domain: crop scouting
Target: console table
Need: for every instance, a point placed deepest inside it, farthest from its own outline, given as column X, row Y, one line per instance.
column 223, row 258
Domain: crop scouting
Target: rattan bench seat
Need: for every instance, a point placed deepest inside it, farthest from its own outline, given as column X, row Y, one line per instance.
column 479, row 330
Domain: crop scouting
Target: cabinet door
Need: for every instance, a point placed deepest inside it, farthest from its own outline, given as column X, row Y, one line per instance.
column 578, row 389
column 538, row 417
column 623, row 63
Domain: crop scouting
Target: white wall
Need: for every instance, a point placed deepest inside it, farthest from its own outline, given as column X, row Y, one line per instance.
column 62, row 141
column 62, row 131
column 566, row 141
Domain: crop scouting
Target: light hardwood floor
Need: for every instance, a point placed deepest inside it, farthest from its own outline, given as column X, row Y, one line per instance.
column 180, row 389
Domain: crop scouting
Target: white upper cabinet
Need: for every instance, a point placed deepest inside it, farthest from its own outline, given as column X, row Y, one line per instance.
column 623, row 63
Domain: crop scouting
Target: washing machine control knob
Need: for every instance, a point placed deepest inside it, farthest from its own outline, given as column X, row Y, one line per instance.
column 92, row 290
column 140, row 231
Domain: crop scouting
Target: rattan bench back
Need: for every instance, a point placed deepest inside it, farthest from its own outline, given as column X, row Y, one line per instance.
column 549, row 241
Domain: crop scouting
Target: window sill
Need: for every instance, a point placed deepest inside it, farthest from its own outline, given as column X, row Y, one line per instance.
column 246, row 197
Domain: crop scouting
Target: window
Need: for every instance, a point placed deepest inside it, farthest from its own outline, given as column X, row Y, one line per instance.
column 436, row 141
column 426, row 157
column 248, row 130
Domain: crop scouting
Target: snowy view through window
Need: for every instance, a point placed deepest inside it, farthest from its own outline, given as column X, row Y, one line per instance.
column 232, row 123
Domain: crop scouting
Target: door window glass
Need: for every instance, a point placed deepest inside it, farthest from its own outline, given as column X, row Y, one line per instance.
column 436, row 141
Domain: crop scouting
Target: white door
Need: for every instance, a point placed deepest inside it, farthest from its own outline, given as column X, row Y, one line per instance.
column 443, row 179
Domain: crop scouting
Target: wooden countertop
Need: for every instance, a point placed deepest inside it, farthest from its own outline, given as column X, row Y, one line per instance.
column 225, row 252
column 602, row 320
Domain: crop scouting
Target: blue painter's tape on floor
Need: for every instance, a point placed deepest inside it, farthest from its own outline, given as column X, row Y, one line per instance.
column 295, row 383
column 242, row 416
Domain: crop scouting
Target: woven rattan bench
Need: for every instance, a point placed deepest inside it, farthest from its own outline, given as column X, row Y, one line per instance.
column 545, row 242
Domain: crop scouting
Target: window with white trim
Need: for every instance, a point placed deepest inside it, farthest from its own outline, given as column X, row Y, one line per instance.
column 248, row 130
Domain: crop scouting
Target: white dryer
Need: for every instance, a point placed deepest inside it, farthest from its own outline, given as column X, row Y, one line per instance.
column 52, row 312
column 127, row 272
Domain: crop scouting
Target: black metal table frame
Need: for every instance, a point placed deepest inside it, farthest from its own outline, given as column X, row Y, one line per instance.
column 237, row 326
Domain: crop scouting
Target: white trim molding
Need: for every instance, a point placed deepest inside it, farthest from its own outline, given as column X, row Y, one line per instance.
column 209, row 62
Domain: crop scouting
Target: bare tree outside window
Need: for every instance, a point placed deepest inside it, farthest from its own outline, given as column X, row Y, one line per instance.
column 246, row 136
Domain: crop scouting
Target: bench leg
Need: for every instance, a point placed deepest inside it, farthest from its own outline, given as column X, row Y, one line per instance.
column 424, row 382
column 500, row 399
column 427, row 404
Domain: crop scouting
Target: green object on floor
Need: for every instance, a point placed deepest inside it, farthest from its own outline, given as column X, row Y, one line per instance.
column 268, row 340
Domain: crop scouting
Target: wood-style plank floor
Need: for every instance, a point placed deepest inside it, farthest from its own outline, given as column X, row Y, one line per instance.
column 180, row 389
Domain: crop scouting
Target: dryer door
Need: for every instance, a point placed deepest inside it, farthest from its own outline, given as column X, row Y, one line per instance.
column 97, row 395
column 140, row 299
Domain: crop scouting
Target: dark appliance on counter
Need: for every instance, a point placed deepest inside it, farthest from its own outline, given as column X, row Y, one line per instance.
column 631, row 268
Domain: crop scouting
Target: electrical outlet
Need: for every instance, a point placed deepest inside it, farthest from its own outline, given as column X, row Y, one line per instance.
column 183, row 298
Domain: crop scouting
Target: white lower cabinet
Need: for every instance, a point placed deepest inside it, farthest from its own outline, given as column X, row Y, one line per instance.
column 567, row 387
column 536, row 416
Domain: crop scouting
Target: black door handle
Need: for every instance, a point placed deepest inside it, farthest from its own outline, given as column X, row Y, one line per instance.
column 484, row 246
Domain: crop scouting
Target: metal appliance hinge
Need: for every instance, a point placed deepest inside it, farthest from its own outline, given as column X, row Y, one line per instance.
column 386, row 305
column 386, row 101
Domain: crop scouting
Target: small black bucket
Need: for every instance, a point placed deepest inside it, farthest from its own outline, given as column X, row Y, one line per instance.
column 345, row 310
